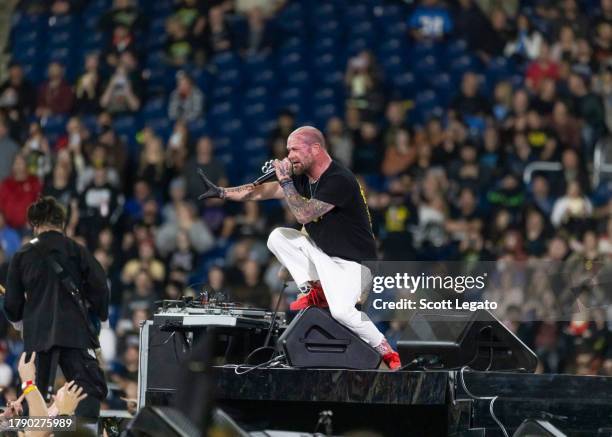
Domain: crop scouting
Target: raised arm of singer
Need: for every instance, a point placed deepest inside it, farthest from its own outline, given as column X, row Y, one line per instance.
column 241, row 193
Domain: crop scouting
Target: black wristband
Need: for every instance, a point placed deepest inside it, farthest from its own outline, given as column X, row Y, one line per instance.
column 286, row 182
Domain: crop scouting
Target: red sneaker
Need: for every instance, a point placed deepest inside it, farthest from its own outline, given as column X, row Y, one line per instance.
column 392, row 360
column 314, row 297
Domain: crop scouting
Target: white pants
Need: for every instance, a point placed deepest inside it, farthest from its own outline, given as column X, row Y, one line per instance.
column 342, row 281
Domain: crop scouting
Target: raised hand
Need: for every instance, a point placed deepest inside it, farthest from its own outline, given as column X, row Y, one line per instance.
column 211, row 190
column 68, row 397
column 27, row 369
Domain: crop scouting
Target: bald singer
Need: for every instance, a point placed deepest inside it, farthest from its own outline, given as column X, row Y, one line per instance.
column 325, row 258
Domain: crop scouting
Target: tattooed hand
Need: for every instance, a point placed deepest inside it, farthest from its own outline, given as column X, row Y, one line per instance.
column 284, row 169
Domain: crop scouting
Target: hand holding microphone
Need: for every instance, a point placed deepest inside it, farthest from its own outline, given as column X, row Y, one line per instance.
column 281, row 170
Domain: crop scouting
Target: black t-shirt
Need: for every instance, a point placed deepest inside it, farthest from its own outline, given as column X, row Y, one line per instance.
column 345, row 231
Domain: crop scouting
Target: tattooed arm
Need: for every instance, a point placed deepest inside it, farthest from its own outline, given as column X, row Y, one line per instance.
column 304, row 210
column 242, row 193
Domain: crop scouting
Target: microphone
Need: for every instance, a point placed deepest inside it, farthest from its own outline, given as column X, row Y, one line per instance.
column 268, row 173
column 265, row 177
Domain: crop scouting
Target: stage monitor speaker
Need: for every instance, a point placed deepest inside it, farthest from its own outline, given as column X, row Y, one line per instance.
column 161, row 422
column 453, row 339
column 315, row 339
column 537, row 428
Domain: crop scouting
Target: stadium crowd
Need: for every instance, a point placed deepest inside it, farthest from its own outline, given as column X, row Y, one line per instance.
column 446, row 164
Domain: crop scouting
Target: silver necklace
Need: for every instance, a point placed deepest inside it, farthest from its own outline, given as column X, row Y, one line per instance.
column 313, row 192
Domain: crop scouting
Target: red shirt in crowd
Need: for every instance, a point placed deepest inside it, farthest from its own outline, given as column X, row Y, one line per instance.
column 15, row 198
column 58, row 99
column 538, row 70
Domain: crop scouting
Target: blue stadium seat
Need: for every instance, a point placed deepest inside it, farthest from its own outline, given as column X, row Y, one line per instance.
column 324, row 45
column 364, row 29
column 62, row 23
column 126, row 126
column 326, row 63
column 357, row 45
column 220, row 112
column 156, row 40
column 54, row 126
column 323, row 10
column 258, row 94
column 256, row 146
column 300, row 78
column 325, row 96
column 262, row 78
column 198, row 128
column 159, row 8
column 455, row 49
column 223, row 145
column 425, row 67
column 22, row 21
column 292, row 10
column 405, row 84
column 263, row 128
column 444, row 87
column 33, row 71
column 26, row 54
column 230, row 127
column 256, row 112
column 201, row 77
column 426, row 99
column 330, row 28
column 398, row 29
column 499, row 68
column 25, row 37
column 332, row 78
column 155, row 59
column 324, row 113
column 93, row 41
column 226, row 61
column 229, row 77
column 290, row 64
column 291, row 46
column 257, row 62
column 59, row 39
column 155, row 107
column 356, row 12
column 90, row 122
column 222, row 93
column 390, row 13
column 65, row 58
column 157, row 27
column 517, row 80
column 461, row 65
column 293, row 98
column 161, row 126
column 395, row 65
column 424, row 49
column 390, row 47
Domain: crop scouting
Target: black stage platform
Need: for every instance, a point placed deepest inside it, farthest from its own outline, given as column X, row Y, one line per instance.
column 408, row 403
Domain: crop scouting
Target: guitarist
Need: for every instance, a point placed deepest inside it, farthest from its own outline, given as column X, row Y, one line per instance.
column 53, row 287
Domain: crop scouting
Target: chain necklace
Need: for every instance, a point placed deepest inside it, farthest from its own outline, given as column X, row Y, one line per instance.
column 313, row 192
